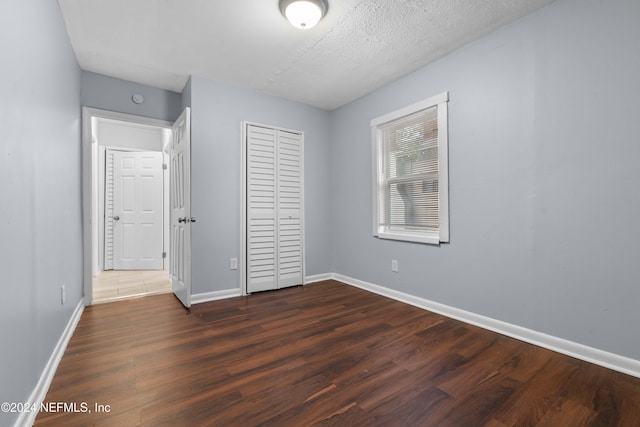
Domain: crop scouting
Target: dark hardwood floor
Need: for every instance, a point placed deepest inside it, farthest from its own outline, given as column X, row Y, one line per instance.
column 325, row 354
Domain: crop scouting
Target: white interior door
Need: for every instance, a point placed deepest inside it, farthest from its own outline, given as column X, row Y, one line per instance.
column 137, row 220
column 180, row 208
column 274, row 246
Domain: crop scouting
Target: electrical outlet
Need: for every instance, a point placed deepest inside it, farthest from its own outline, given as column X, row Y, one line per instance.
column 233, row 264
column 63, row 294
column 394, row 265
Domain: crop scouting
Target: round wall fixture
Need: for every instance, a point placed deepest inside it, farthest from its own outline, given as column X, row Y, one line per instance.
column 304, row 14
column 137, row 98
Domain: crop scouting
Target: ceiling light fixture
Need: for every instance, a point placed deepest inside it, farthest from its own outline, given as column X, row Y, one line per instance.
column 304, row 14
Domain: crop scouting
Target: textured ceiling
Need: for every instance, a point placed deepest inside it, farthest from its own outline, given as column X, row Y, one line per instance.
column 358, row 47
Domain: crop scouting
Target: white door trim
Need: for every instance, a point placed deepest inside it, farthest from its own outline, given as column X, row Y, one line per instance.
column 242, row 264
column 89, row 165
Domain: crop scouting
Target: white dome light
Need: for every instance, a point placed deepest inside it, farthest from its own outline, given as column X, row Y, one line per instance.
column 303, row 14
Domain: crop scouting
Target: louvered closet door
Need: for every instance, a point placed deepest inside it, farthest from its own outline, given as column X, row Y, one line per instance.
column 289, row 210
column 261, row 209
column 274, row 209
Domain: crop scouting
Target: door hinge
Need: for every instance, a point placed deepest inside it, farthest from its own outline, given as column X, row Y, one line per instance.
column 164, row 254
column 164, row 166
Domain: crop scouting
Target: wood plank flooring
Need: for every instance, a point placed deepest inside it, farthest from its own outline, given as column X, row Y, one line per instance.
column 326, row 354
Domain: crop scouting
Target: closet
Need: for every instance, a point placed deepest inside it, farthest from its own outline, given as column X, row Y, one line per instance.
column 274, row 208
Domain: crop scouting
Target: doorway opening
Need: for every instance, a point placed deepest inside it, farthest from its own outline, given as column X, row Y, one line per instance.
column 174, row 146
column 129, row 207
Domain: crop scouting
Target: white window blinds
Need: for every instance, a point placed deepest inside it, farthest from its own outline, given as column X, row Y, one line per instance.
column 408, row 149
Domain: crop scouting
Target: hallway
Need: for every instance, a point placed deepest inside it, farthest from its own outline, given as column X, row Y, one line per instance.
column 115, row 285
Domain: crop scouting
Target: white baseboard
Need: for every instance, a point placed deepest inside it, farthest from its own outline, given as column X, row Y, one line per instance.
column 317, row 278
column 40, row 391
column 215, row 295
column 579, row 351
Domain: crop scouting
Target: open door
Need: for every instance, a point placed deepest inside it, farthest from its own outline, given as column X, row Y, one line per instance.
column 180, row 208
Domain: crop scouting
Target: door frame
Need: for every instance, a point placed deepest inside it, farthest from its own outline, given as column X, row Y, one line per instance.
column 242, row 263
column 89, row 169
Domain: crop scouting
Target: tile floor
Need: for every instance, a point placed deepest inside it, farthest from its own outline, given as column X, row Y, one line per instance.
column 112, row 285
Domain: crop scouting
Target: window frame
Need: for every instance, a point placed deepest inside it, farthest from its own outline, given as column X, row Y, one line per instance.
column 441, row 235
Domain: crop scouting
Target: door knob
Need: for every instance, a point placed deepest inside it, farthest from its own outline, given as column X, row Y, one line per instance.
column 116, row 218
column 192, row 219
column 182, row 220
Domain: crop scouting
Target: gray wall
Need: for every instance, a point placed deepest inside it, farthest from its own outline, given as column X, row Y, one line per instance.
column 113, row 133
column 186, row 95
column 40, row 181
column 110, row 93
column 543, row 164
column 217, row 111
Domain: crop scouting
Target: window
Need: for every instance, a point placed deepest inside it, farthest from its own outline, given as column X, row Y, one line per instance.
column 410, row 173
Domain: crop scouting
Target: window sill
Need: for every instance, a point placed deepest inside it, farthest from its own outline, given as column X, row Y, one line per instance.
column 431, row 239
